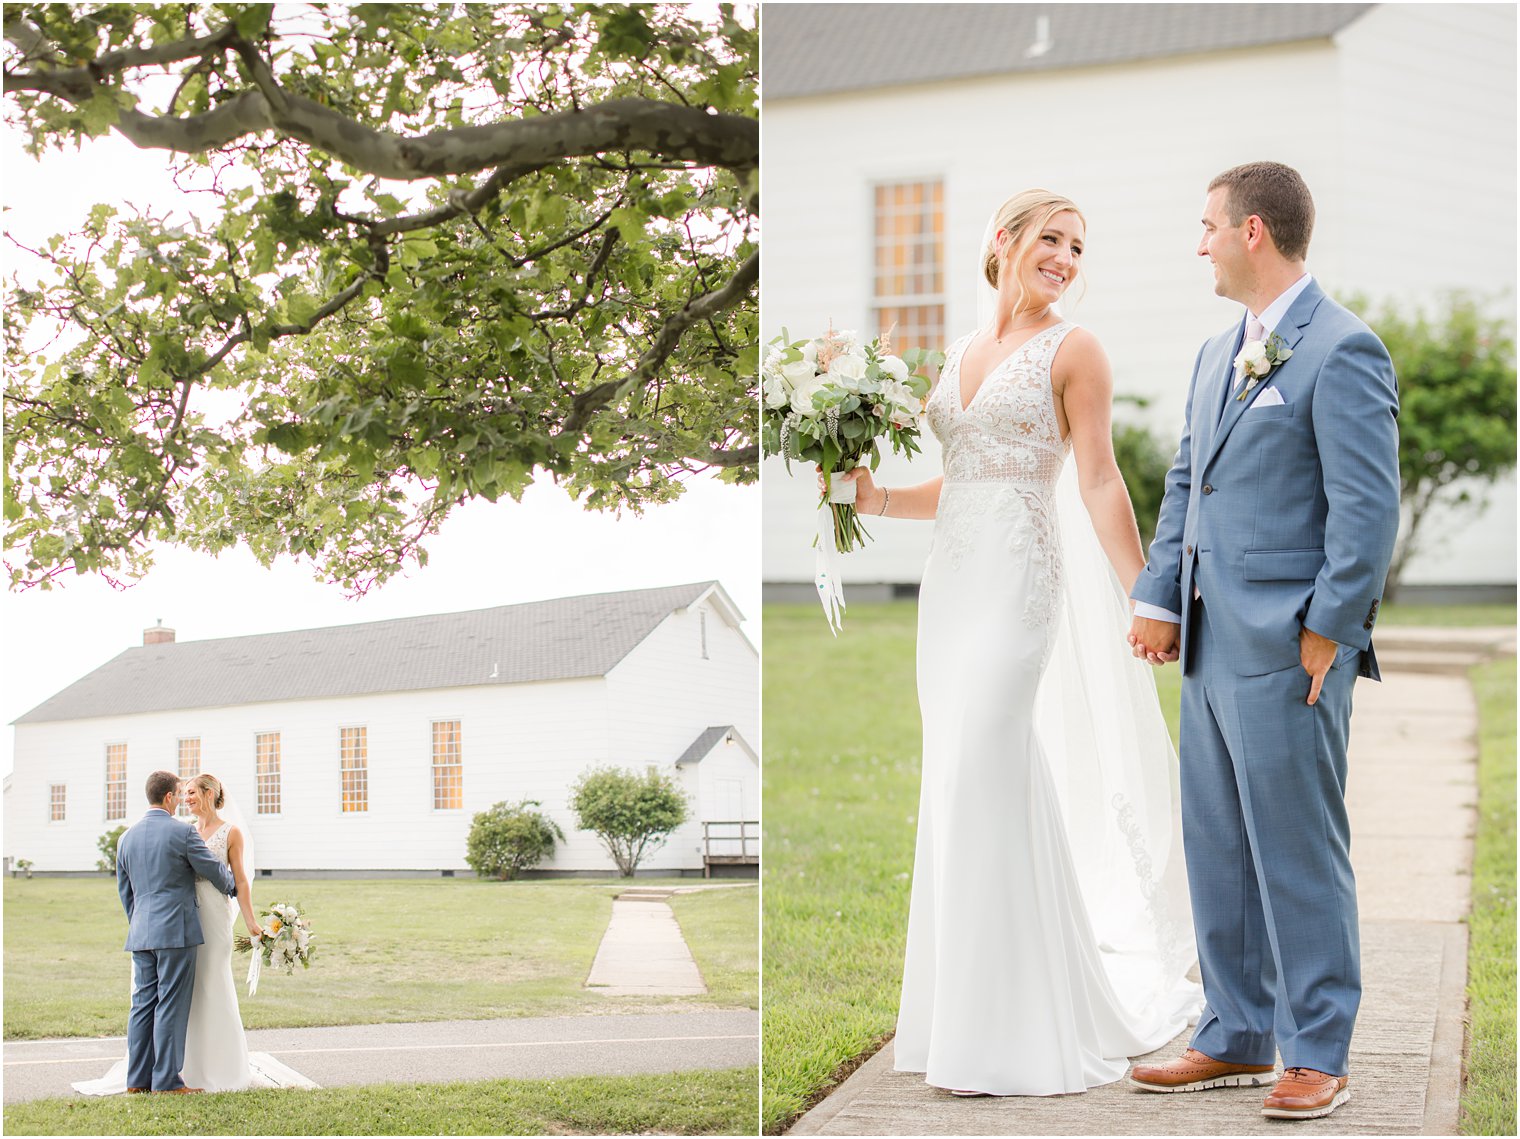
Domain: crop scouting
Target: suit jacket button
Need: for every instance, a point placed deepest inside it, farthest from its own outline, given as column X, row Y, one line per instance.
column 1367, row 625
column 1207, row 489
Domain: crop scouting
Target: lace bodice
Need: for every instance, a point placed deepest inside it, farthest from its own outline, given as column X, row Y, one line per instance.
column 218, row 842
column 1003, row 453
column 1008, row 433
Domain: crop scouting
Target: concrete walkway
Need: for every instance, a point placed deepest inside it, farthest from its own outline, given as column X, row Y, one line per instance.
column 643, row 953
column 1412, row 794
column 439, row 1051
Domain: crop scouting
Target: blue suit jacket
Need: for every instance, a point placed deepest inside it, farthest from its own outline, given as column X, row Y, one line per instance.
column 1284, row 516
column 157, row 862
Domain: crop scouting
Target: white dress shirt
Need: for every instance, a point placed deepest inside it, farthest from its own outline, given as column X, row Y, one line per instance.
column 1270, row 318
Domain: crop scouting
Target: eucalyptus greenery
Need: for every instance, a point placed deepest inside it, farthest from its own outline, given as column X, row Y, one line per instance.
column 442, row 248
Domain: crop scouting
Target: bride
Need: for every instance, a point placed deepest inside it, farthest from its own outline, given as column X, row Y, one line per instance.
column 1048, row 935
column 216, row 1049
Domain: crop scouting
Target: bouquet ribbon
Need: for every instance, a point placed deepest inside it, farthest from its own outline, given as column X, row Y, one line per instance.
column 255, row 966
column 826, row 573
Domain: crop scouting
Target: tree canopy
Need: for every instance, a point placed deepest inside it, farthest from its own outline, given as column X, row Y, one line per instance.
column 443, row 247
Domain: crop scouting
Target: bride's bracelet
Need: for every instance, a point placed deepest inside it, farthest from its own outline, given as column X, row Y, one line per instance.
column 886, row 500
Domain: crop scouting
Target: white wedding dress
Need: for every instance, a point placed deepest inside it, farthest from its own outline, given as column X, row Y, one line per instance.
column 1048, row 936
column 216, row 1050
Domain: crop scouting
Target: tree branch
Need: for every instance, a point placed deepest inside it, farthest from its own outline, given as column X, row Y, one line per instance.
column 671, row 131
column 594, row 399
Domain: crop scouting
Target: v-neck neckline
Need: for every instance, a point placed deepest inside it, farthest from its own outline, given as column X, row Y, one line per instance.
column 963, row 404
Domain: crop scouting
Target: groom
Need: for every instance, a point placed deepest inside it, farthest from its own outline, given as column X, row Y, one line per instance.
column 1271, row 550
column 157, row 861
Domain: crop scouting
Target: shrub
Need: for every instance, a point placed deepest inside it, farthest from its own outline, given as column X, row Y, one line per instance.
column 106, row 844
column 510, row 838
column 1143, row 460
column 1456, row 371
column 632, row 814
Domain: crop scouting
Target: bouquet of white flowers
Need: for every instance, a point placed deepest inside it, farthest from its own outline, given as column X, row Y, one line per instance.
column 287, row 941
column 829, row 400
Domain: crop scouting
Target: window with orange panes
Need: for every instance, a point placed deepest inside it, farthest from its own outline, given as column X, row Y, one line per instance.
column 908, row 289
column 189, row 767
column 353, row 767
column 448, row 766
column 266, row 753
column 116, row 781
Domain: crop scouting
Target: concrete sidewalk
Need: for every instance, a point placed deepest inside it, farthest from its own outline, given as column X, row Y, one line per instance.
column 643, row 952
column 439, row 1051
column 1412, row 794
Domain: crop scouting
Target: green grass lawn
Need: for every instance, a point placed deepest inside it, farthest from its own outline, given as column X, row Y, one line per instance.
column 397, row 950
column 681, row 1103
column 1446, row 615
column 722, row 931
column 1488, row 1096
column 841, row 790
column 841, row 793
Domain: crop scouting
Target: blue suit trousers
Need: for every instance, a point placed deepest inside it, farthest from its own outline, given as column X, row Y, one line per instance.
column 162, row 981
column 1268, row 846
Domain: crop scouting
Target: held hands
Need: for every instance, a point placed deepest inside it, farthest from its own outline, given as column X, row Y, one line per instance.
column 1316, row 654
column 1154, row 641
column 868, row 496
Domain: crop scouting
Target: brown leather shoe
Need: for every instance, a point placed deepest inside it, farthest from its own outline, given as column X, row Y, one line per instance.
column 138, row 1091
column 1303, row 1093
column 1193, row 1072
column 179, row 1091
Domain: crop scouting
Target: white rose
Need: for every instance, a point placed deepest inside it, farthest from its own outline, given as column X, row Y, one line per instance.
column 895, row 368
column 847, row 371
column 777, row 394
column 1253, row 359
column 798, row 372
column 802, row 396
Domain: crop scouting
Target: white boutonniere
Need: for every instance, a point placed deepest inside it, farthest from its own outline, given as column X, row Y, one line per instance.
column 1256, row 360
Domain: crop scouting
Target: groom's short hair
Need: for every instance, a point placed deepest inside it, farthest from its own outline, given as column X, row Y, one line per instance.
column 160, row 783
column 1276, row 194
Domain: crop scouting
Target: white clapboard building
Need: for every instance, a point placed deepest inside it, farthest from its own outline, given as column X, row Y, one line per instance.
column 370, row 747
column 892, row 131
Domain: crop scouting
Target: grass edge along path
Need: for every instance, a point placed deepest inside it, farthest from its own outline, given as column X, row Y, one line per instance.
column 1488, row 1091
column 717, row 1102
column 722, row 930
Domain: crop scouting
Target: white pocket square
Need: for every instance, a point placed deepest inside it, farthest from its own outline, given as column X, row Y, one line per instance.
column 1269, row 398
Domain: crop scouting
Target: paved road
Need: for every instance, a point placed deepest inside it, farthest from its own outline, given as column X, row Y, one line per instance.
column 1412, row 793
column 437, row 1052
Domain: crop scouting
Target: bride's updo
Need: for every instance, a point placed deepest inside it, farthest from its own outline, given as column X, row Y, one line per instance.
column 1024, row 216
column 211, row 787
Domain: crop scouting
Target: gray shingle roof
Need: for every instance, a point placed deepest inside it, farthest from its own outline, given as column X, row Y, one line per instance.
column 543, row 640
column 702, row 746
column 817, row 49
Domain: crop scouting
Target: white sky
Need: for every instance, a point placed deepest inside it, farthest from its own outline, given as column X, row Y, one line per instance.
column 486, row 554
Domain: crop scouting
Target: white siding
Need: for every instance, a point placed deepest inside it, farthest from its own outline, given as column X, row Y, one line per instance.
column 518, row 741
column 1135, row 146
column 663, row 695
column 1430, row 90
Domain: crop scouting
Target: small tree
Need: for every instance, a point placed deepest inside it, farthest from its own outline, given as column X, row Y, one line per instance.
column 508, row 839
column 25, row 866
column 1456, row 375
column 632, row 814
column 106, row 844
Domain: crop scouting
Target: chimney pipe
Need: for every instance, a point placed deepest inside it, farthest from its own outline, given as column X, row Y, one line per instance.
column 158, row 635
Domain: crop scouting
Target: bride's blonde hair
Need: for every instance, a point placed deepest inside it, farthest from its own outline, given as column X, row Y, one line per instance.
column 212, row 786
column 1024, row 216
